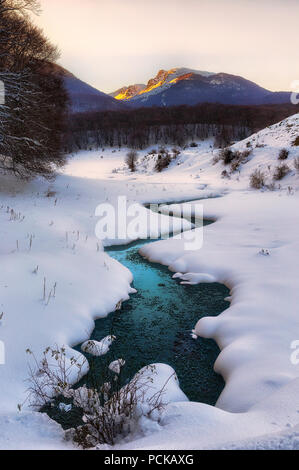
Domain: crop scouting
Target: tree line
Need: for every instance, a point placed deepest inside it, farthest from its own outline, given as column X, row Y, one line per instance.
column 139, row 128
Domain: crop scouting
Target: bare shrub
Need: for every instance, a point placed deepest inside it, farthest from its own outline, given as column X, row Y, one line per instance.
column 296, row 163
column 131, row 160
column 235, row 165
column 50, row 193
column 225, row 174
column 271, row 186
column 108, row 409
column 245, row 154
column 296, row 141
column 281, row 171
column 163, row 161
column 283, row 154
column 216, row 158
column 257, row 179
column 227, row 156
column 176, row 152
column 239, row 158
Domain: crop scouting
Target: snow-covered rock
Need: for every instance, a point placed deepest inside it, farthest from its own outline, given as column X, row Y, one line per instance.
column 98, row 348
column 116, row 365
column 65, row 408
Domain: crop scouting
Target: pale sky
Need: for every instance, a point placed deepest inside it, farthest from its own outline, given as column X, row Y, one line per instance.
column 112, row 43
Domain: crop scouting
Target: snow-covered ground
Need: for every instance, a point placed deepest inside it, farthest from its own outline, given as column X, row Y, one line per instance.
column 48, row 239
column 48, row 236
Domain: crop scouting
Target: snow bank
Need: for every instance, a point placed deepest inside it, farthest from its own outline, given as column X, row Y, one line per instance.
column 256, row 332
column 31, row 431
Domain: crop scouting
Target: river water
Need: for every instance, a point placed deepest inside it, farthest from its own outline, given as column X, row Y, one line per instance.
column 155, row 325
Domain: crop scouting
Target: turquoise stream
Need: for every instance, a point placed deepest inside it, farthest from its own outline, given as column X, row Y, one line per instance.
column 155, row 325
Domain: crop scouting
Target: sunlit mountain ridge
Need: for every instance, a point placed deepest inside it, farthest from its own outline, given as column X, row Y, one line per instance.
column 184, row 86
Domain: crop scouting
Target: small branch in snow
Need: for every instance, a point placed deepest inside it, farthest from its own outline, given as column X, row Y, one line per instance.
column 35, row 271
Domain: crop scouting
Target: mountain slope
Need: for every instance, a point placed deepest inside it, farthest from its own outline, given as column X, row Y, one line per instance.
column 183, row 86
column 126, row 93
column 83, row 97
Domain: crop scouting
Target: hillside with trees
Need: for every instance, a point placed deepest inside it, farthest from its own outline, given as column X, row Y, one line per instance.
column 32, row 120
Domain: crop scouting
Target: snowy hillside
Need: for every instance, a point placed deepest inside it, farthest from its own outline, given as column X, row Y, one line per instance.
column 260, row 152
column 273, row 147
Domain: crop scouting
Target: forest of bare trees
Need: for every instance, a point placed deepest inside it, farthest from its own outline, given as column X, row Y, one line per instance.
column 139, row 128
column 32, row 117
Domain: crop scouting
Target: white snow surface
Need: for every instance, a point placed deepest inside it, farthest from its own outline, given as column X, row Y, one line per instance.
column 52, row 240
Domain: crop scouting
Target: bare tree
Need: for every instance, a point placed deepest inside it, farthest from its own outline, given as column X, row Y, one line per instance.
column 32, row 118
column 131, row 160
column 21, row 6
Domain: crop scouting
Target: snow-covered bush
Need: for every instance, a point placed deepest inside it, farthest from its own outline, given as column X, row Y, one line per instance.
column 225, row 174
column 176, row 152
column 283, row 154
column 215, row 159
column 296, row 163
column 281, row 171
column 226, row 155
column 163, row 161
column 109, row 409
column 239, row 158
column 257, row 179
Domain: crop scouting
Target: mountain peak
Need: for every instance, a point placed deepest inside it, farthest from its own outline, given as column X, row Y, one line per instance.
column 185, row 86
column 162, row 78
